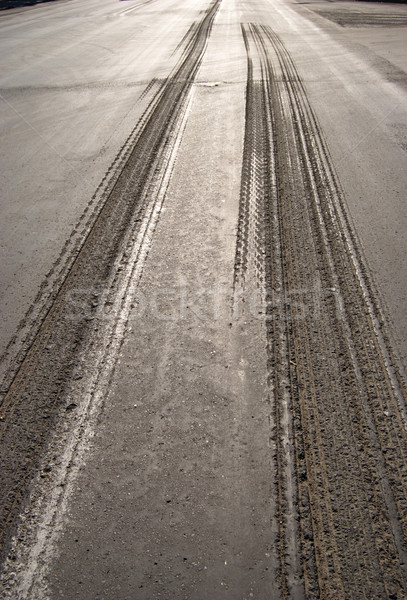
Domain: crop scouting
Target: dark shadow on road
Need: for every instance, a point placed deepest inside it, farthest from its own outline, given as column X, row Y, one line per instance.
column 6, row 4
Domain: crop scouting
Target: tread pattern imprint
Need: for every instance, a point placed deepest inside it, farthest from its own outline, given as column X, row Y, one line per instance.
column 337, row 399
column 92, row 276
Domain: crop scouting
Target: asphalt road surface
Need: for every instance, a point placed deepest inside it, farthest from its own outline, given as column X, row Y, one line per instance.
column 203, row 284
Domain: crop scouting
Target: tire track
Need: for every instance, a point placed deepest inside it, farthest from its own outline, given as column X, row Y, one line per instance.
column 16, row 349
column 337, row 397
column 37, row 387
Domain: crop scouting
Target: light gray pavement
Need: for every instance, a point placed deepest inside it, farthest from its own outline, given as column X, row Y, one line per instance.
column 71, row 75
column 355, row 77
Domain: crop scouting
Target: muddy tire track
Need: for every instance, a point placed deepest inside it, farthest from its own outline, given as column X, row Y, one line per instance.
column 35, row 391
column 338, row 401
column 16, row 350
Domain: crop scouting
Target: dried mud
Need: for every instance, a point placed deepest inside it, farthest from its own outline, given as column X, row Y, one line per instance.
column 338, row 403
column 34, row 391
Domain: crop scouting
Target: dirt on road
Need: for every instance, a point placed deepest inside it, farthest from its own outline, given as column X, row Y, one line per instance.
column 210, row 406
column 338, row 404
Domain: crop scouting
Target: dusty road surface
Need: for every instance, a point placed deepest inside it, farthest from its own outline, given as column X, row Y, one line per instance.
column 203, row 300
